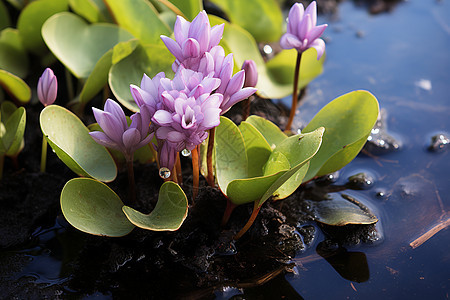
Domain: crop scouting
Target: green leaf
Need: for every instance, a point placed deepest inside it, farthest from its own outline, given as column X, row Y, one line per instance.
column 31, row 20
column 92, row 10
column 5, row 20
column 340, row 210
column 140, row 18
column 92, row 207
column 15, row 87
column 190, row 8
column 256, row 147
column 71, row 141
column 271, row 132
column 149, row 59
column 269, row 24
column 78, row 45
column 348, row 121
column 169, row 213
column 244, row 47
column 99, row 75
column 231, row 158
column 298, row 150
column 294, row 153
column 13, row 57
column 14, row 130
column 247, row 190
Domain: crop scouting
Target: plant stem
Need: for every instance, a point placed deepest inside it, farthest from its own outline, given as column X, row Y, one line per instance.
column 195, row 173
column 178, row 169
column 294, row 93
column 2, row 162
column 43, row 154
column 209, row 163
column 228, row 210
column 250, row 221
column 131, row 183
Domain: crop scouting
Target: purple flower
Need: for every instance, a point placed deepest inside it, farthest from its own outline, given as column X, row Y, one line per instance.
column 302, row 32
column 251, row 73
column 116, row 132
column 192, row 40
column 231, row 87
column 47, row 87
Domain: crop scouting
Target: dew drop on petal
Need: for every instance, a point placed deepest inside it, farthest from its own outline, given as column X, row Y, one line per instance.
column 185, row 152
column 164, row 173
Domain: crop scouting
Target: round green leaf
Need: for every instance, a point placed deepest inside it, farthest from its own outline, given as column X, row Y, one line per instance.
column 169, row 213
column 78, row 45
column 140, row 18
column 92, row 207
column 298, row 150
column 347, row 120
column 31, row 20
column 149, row 59
column 247, row 190
column 71, row 141
column 12, row 139
column 271, row 132
column 269, row 26
column 256, row 147
column 340, row 210
column 231, row 158
column 92, row 10
column 190, row 8
column 5, row 20
column 99, row 75
column 15, row 87
column 13, row 57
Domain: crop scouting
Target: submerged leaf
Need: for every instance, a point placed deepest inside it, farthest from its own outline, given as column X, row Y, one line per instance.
column 340, row 210
column 92, row 207
column 169, row 213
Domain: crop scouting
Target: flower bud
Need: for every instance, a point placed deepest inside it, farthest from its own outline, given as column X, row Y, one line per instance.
column 251, row 73
column 47, row 87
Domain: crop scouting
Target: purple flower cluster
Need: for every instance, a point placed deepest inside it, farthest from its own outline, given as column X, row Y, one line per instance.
column 182, row 110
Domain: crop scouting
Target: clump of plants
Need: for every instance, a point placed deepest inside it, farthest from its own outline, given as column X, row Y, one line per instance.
column 179, row 86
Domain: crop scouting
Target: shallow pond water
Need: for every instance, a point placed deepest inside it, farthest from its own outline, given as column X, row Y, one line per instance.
column 402, row 57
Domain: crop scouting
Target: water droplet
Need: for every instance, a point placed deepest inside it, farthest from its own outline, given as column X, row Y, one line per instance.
column 267, row 49
column 164, row 173
column 186, row 152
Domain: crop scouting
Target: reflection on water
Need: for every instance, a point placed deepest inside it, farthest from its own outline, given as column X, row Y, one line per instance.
column 402, row 58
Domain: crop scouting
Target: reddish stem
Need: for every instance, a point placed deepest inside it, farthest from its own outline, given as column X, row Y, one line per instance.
column 228, row 210
column 294, row 93
column 195, row 173
column 131, row 183
column 250, row 221
column 209, row 163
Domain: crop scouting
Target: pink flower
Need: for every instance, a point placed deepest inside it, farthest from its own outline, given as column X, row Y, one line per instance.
column 302, row 32
column 192, row 40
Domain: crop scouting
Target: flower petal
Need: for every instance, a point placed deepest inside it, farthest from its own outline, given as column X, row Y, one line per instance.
column 319, row 45
column 162, row 118
column 173, row 47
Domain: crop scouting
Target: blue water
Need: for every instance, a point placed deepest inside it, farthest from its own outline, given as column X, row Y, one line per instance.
column 402, row 57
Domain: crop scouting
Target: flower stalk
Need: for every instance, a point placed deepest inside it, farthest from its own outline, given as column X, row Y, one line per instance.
column 294, row 93
column 209, row 161
column 195, row 173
